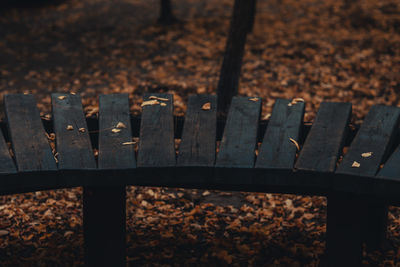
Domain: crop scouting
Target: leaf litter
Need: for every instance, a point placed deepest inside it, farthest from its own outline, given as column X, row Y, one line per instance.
column 297, row 56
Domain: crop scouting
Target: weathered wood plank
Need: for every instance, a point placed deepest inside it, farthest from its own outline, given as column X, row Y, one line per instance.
column 391, row 169
column 30, row 145
column 375, row 135
column 198, row 145
column 156, row 144
column 6, row 162
column 277, row 151
column 116, row 150
column 72, row 137
column 238, row 143
column 325, row 139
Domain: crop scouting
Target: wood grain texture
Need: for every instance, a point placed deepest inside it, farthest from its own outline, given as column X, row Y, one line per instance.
column 157, row 145
column 113, row 154
column 375, row 135
column 198, row 145
column 30, row 145
column 240, row 134
column 6, row 162
column 73, row 146
column 277, row 151
column 325, row 139
column 391, row 169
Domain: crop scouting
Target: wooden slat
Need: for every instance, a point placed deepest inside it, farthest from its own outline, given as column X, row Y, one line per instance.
column 197, row 147
column 240, row 134
column 375, row 135
column 30, row 145
column 391, row 169
column 325, row 139
column 6, row 163
column 156, row 144
column 113, row 153
column 73, row 146
column 277, row 151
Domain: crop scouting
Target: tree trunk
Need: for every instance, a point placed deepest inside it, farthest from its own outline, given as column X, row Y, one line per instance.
column 166, row 15
column 230, row 71
column 252, row 16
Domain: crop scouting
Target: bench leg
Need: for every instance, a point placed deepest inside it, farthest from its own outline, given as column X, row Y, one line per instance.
column 104, row 222
column 375, row 226
column 344, row 231
column 166, row 15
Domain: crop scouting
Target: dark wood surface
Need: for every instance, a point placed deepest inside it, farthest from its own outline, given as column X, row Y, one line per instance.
column 157, row 144
column 325, row 140
column 73, row 146
column 116, row 150
column 197, row 147
column 239, row 141
column 375, row 135
column 6, row 162
column 30, row 145
column 391, row 169
column 277, row 151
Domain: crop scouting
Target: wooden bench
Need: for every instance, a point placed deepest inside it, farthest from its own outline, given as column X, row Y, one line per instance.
column 358, row 188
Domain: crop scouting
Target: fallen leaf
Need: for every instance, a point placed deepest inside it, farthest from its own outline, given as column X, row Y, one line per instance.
column 158, row 98
column 254, row 99
column 82, row 130
column 128, row 143
column 150, row 103
column 120, row 125
column 92, row 112
column 355, row 164
column 296, row 100
column 70, row 127
column 163, row 104
column 366, row 154
column 266, row 117
column 206, row 193
column 4, row 232
column 61, row 97
column 206, row 106
column 295, row 143
column 115, row 130
column 68, row 233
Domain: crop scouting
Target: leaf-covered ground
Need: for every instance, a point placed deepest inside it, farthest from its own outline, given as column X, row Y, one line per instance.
column 334, row 50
